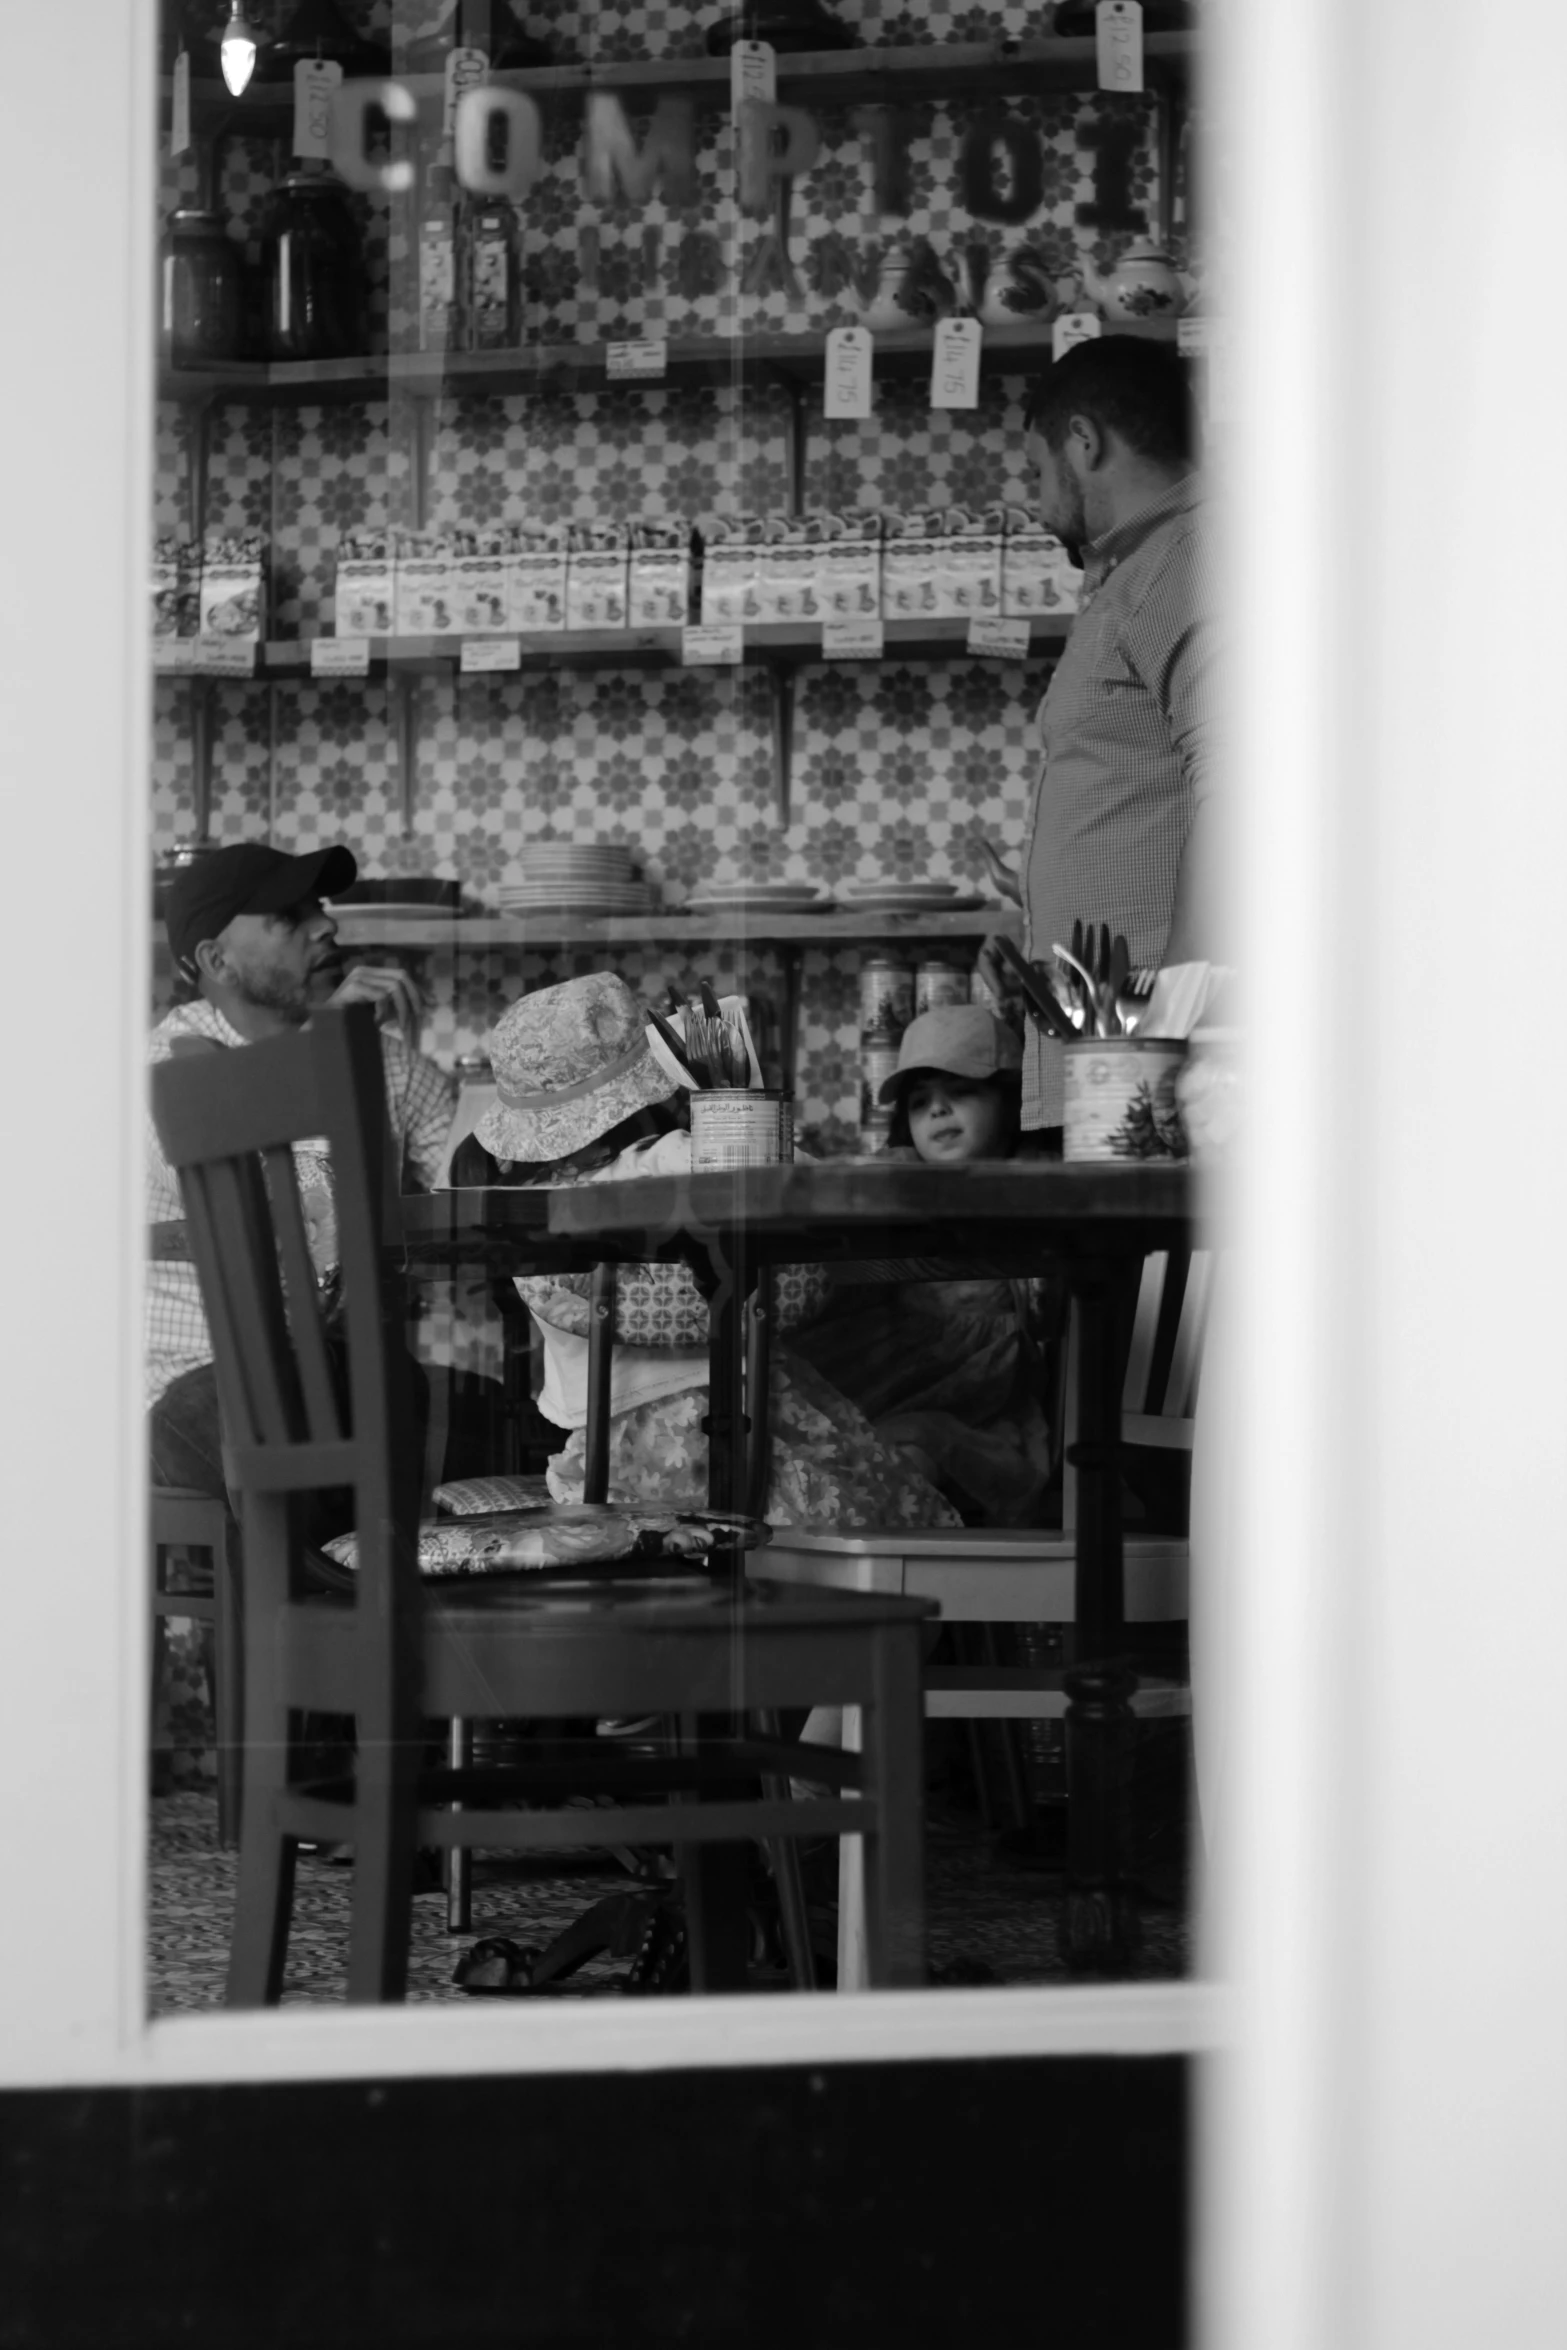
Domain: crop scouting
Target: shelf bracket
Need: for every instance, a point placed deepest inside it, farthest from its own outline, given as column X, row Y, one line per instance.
column 401, row 689
column 791, row 958
column 201, row 691
column 794, row 386
column 198, row 424
column 780, row 678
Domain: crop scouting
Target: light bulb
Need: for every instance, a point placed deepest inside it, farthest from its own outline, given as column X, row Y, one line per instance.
column 238, row 53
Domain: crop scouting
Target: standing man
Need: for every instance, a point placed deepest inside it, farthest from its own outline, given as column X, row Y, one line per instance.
column 257, row 954
column 1120, row 831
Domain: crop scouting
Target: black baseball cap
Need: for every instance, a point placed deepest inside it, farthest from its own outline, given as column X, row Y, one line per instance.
column 250, row 878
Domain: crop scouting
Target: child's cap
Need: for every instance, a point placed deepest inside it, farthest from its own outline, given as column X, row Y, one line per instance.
column 957, row 1040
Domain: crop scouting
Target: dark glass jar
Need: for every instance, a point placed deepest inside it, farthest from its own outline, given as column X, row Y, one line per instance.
column 199, row 297
column 313, row 271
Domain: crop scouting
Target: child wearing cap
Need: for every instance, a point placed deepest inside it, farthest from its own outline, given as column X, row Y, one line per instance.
column 581, row 1099
column 948, row 1371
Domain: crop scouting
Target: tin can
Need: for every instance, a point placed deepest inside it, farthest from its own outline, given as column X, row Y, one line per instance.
column 734, row 1127
column 878, row 1062
column 982, row 993
column 1121, row 1099
column 886, row 998
column 938, row 984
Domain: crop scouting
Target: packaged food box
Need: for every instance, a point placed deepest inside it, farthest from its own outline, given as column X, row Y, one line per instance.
column 659, row 585
column 364, row 602
column 968, row 585
column 731, row 554
column 231, row 585
column 596, row 576
column 176, row 586
column 480, row 581
column 536, row 576
column 1037, row 574
column 784, row 586
column 426, row 597
column 848, row 565
column 913, row 553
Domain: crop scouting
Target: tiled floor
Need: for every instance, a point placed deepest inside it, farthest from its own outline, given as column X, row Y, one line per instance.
column 988, row 1908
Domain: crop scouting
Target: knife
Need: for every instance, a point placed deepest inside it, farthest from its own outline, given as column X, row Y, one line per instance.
column 1036, row 995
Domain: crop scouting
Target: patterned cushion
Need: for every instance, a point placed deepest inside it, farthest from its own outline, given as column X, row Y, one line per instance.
column 565, row 1534
column 661, row 1305
column 470, row 1497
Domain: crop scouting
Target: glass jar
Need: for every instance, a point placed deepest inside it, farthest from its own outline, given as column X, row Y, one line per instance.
column 313, row 272
column 198, row 290
column 490, row 306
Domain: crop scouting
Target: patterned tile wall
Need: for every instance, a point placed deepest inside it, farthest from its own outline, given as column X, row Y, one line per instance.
column 898, row 769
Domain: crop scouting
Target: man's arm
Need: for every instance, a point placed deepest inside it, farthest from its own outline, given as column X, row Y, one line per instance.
column 1175, row 645
column 1197, row 921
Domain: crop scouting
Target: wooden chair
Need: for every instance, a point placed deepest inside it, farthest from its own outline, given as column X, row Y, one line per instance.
column 188, row 1522
column 400, row 1650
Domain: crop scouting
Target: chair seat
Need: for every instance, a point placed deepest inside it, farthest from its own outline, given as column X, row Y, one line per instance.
column 563, row 1534
column 983, row 1574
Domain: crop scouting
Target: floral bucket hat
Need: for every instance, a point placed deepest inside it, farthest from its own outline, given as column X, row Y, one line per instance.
column 570, row 1062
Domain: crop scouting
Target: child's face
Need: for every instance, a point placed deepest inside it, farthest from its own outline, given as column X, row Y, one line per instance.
column 954, row 1119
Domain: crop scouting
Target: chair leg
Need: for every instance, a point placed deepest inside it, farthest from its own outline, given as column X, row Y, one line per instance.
column 853, row 1963
column 784, row 1853
column 895, row 1916
column 264, row 1896
column 459, row 1857
column 381, row 1910
column 228, row 1694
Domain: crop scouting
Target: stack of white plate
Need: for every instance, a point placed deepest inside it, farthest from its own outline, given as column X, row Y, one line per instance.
column 759, row 897
column 565, row 877
column 909, row 897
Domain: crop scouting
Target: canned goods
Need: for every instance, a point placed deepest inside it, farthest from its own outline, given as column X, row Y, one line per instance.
column 886, row 997
column 734, row 1127
column 878, row 1062
column 982, row 993
column 936, row 984
column 1121, row 1100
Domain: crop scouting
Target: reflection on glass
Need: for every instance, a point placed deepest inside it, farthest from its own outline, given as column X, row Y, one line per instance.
column 654, row 754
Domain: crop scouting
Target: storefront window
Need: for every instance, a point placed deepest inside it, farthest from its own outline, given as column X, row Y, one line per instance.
column 595, row 489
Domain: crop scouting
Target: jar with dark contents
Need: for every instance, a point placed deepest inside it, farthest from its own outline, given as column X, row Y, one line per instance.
column 313, row 272
column 200, row 300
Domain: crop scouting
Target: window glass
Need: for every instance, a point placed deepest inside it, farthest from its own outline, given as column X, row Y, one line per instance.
column 604, row 583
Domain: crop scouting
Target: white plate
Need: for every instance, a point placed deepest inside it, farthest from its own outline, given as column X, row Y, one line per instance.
column 900, row 889
column 738, row 905
column 395, row 910
column 761, row 889
column 891, row 903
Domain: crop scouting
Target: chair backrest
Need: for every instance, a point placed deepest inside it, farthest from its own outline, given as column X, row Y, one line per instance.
column 1164, row 1360
column 229, row 1123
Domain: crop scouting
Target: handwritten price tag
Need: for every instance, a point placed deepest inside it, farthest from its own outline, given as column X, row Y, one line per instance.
column 720, row 643
column 224, row 656
column 1118, row 28
column 490, row 652
column 316, row 80
column 999, row 640
column 753, row 73
column 173, row 656
column 853, row 640
column 630, row 359
column 846, row 384
column 1073, row 326
column 954, row 367
column 466, row 69
column 340, row 656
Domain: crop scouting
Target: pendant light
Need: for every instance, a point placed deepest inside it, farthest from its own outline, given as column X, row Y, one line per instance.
column 237, row 56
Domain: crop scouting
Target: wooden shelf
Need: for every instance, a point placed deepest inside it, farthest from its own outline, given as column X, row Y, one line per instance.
column 833, row 77
column 573, row 367
column 785, row 642
column 360, row 926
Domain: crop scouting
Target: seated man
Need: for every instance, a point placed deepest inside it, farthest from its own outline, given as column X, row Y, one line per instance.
column 255, row 953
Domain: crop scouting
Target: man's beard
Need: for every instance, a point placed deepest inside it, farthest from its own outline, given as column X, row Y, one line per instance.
column 292, row 1000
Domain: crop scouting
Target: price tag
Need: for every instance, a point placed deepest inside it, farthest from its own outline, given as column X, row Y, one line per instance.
column 174, row 656
column 1073, row 326
column 224, row 656
column 179, row 111
column 1118, row 26
column 315, row 81
column 720, row 643
column 999, row 640
column 490, row 652
column 846, row 384
column 340, row 656
column 954, row 367
column 466, row 69
column 853, row 640
column 753, row 73
column 648, row 357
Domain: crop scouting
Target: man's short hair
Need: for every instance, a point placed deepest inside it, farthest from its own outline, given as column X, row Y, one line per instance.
column 1128, row 385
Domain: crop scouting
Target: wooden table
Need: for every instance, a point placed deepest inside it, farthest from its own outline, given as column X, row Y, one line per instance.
column 1095, row 1221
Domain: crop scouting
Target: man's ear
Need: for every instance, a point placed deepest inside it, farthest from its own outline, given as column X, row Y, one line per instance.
column 1087, row 442
column 211, row 961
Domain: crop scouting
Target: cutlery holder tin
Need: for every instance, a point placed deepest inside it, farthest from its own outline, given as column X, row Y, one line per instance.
column 734, row 1127
column 1121, row 1099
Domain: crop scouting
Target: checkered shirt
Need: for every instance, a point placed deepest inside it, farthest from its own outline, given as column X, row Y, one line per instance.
column 419, row 1103
column 1126, row 733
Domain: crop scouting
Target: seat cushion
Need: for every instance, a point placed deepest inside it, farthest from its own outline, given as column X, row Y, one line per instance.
column 468, row 1497
column 563, row 1534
